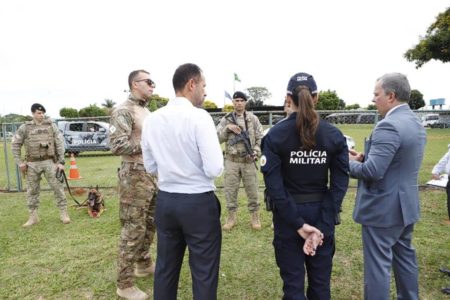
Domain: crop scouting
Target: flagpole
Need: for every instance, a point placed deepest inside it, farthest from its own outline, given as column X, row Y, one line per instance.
column 235, row 78
column 234, row 83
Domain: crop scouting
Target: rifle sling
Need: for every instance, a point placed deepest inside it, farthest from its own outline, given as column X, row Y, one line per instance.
column 234, row 120
column 233, row 116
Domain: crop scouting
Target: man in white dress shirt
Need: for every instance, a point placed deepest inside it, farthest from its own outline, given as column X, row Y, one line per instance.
column 180, row 145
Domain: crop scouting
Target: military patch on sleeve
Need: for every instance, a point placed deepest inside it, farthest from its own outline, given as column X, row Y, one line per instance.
column 112, row 129
column 263, row 161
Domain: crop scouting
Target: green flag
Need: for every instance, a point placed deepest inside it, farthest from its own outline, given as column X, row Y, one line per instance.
column 236, row 77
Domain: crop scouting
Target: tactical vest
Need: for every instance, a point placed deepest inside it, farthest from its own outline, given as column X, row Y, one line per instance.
column 246, row 123
column 138, row 113
column 39, row 141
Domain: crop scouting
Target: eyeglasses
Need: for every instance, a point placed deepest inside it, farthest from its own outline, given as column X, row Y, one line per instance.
column 149, row 82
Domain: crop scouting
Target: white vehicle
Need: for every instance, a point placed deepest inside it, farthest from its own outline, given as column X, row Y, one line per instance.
column 82, row 136
column 350, row 141
column 429, row 120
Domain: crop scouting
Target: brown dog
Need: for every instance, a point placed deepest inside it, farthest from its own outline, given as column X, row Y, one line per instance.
column 95, row 203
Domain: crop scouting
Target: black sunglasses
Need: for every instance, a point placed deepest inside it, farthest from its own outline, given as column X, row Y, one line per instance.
column 149, row 82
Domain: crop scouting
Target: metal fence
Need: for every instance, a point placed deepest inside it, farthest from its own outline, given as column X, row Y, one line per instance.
column 87, row 139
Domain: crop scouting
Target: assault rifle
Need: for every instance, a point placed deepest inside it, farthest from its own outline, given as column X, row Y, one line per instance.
column 244, row 138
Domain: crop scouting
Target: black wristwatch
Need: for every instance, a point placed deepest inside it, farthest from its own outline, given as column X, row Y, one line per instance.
column 62, row 162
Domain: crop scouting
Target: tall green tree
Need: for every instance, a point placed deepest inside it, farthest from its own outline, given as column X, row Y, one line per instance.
column 257, row 95
column 15, row 118
column 435, row 44
column 341, row 105
column 328, row 100
column 352, row 106
column 160, row 101
column 153, row 105
column 108, row 103
column 228, row 108
column 67, row 112
column 416, row 100
column 209, row 104
column 92, row 111
column 371, row 107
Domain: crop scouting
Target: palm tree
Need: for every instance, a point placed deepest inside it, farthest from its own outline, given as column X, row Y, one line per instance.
column 108, row 103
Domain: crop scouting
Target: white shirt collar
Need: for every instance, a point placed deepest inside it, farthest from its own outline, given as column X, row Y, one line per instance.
column 180, row 101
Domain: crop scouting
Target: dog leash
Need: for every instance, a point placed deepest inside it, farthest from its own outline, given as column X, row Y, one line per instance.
column 61, row 177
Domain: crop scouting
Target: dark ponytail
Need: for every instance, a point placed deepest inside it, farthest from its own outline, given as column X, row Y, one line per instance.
column 307, row 118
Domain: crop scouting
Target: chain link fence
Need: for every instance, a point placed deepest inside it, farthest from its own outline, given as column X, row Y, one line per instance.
column 87, row 143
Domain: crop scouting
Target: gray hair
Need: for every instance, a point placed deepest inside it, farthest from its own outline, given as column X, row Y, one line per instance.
column 396, row 83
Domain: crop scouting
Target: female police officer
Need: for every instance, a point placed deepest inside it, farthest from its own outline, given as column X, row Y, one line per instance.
column 299, row 156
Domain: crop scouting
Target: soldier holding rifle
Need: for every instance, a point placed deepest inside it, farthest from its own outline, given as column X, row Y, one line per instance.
column 242, row 132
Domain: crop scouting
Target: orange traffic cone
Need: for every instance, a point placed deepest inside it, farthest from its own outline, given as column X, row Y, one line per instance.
column 74, row 172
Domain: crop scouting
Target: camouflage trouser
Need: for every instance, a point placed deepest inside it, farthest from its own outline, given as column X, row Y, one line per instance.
column 137, row 192
column 234, row 171
column 34, row 172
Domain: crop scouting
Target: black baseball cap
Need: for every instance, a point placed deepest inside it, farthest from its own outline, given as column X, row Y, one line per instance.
column 37, row 106
column 240, row 95
column 302, row 79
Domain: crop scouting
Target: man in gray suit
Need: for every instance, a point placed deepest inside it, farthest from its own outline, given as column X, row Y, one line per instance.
column 387, row 200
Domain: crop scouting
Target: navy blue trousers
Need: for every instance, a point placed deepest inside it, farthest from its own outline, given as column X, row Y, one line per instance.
column 192, row 221
column 293, row 262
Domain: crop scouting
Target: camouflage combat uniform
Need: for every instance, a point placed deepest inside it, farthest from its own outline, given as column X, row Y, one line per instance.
column 237, row 164
column 137, row 190
column 44, row 147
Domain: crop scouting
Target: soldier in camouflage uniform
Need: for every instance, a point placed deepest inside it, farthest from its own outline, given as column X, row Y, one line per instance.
column 44, row 154
column 137, row 189
column 238, row 162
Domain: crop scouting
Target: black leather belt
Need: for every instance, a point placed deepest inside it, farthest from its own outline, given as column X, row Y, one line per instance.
column 308, row 198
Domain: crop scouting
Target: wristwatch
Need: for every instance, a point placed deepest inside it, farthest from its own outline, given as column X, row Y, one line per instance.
column 62, row 162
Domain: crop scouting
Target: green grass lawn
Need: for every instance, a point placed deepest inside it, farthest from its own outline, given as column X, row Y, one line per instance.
column 437, row 145
column 78, row 261
column 102, row 170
